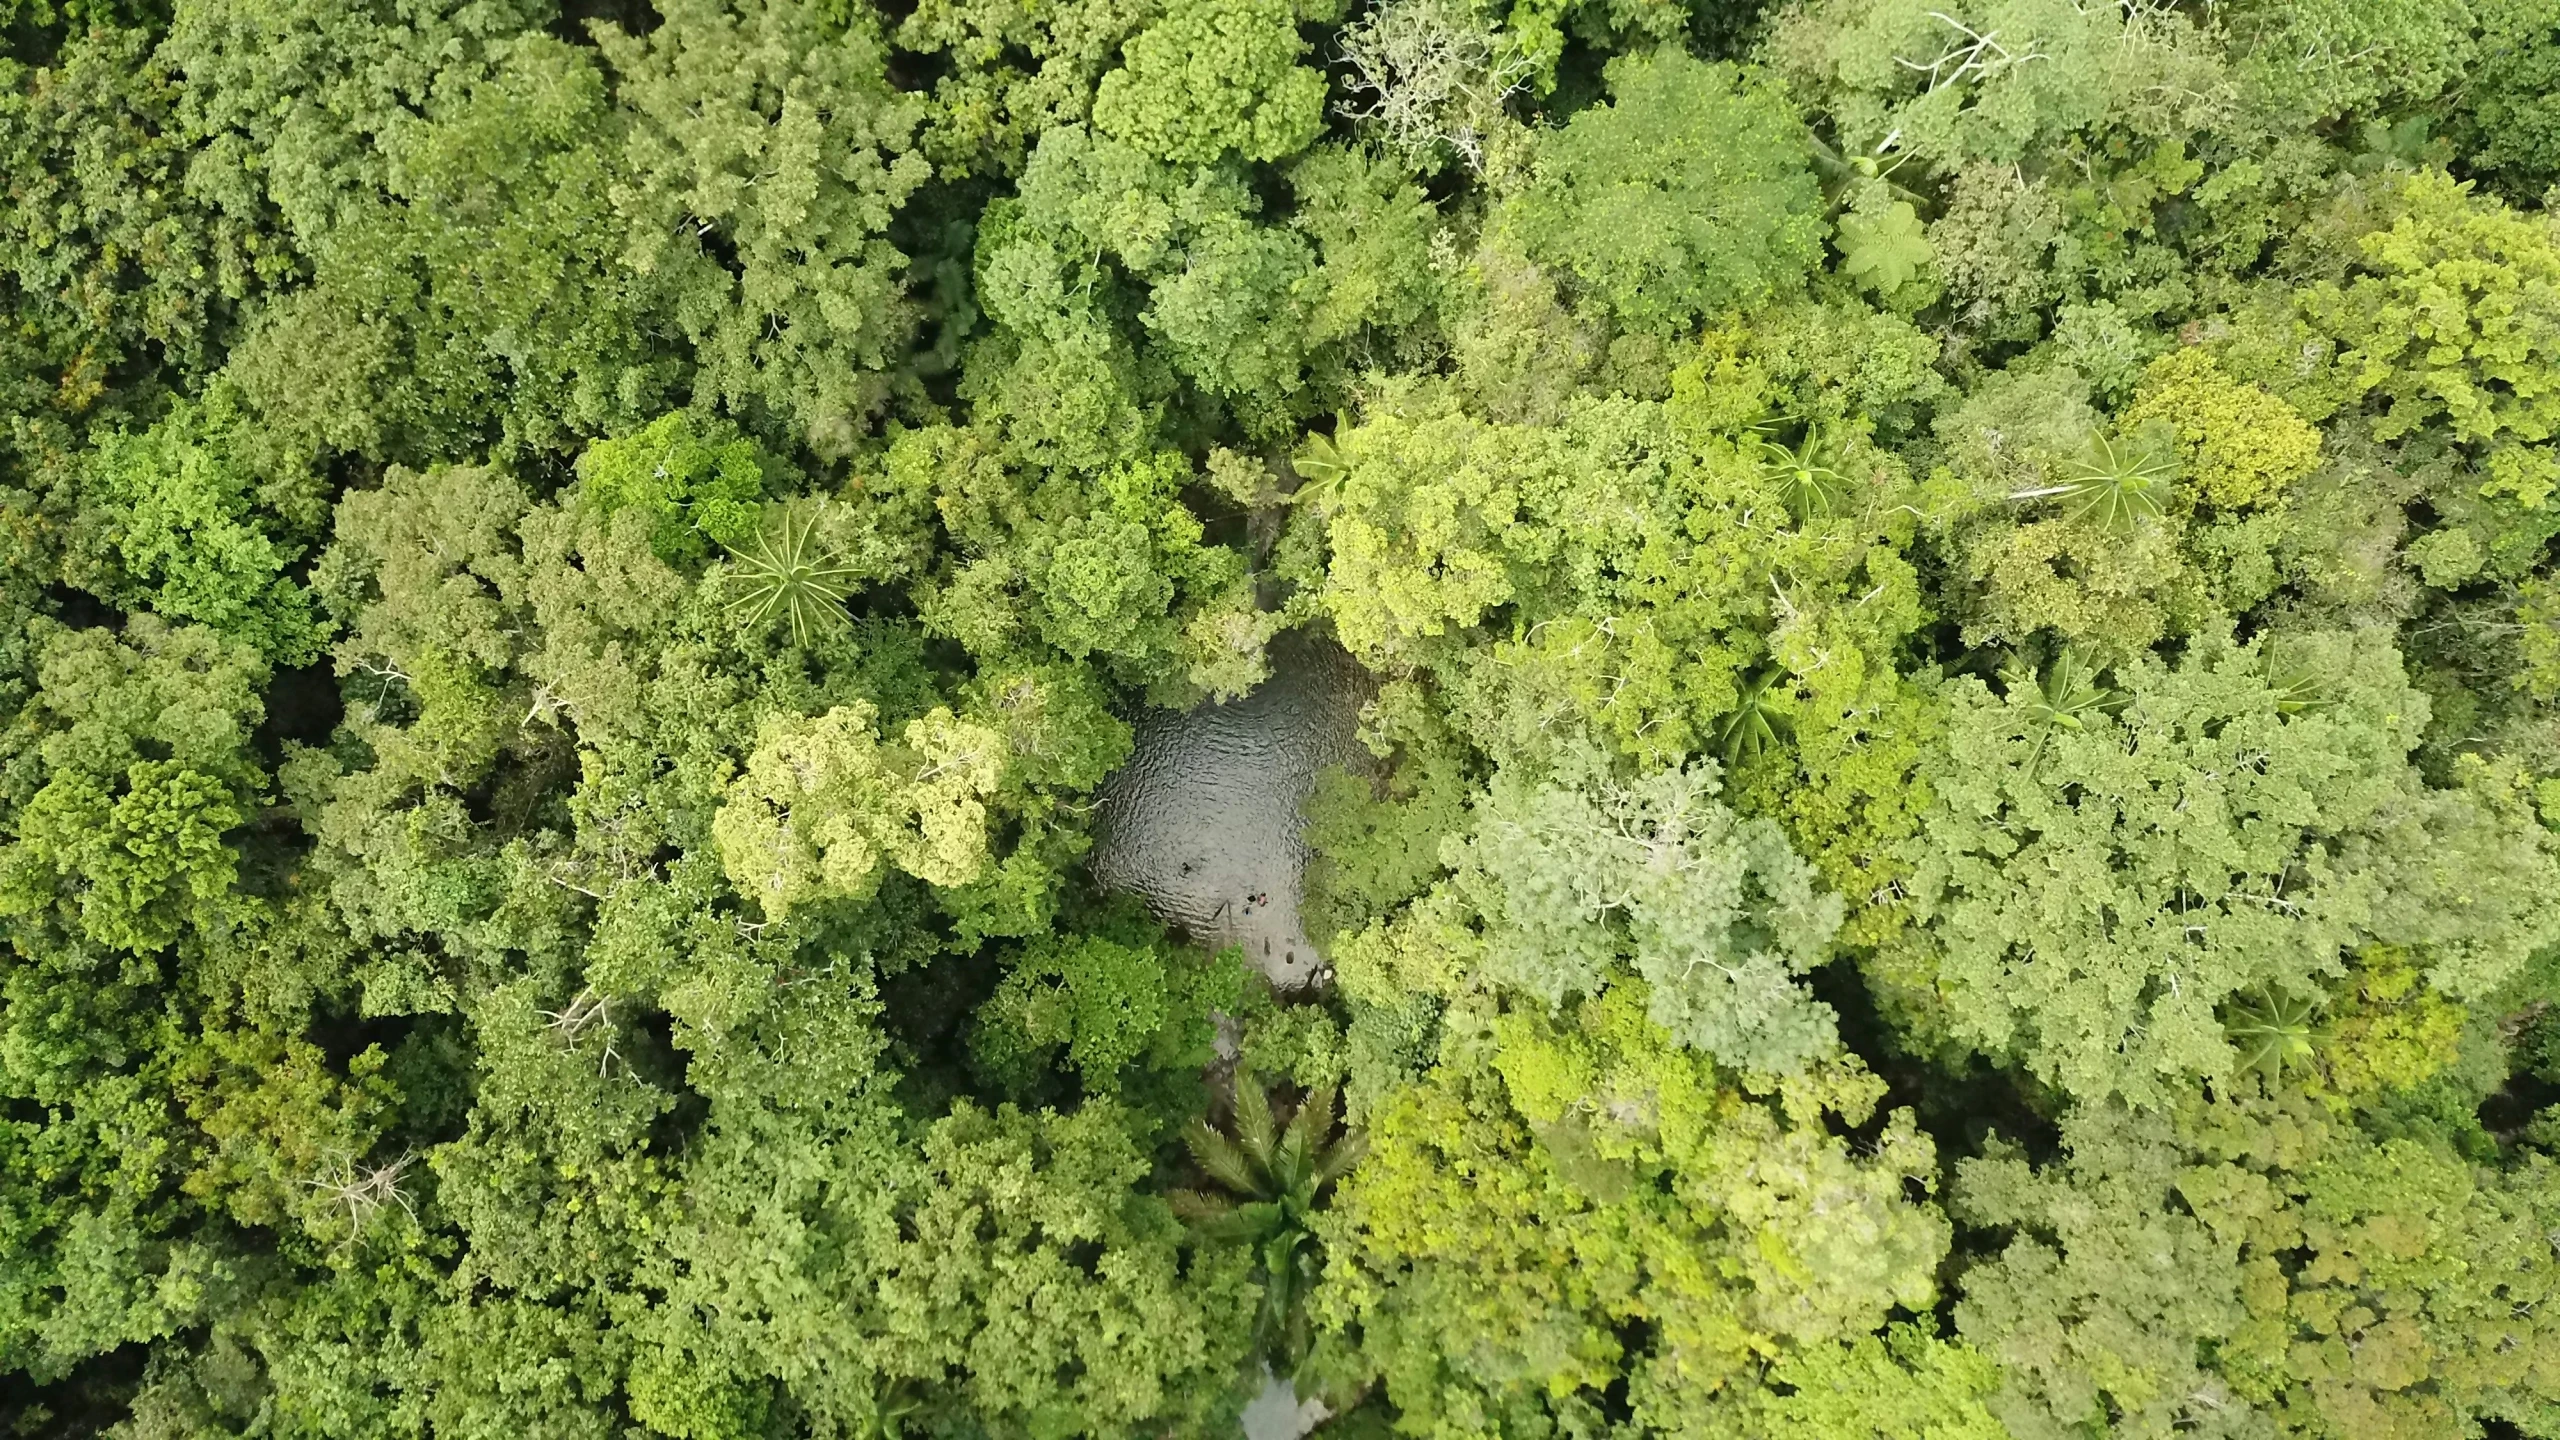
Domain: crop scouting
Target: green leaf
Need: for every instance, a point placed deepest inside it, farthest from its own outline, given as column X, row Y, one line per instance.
column 1883, row 251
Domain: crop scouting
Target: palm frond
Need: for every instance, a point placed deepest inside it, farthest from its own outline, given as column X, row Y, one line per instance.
column 1278, row 1173
column 2066, row 697
column 1255, row 1224
column 1222, row 1159
column 1255, row 1132
column 1806, row 473
column 1293, row 1163
column 1759, row 720
column 1315, row 1115
column 1198, row 1205
column 2298, row 689
column 1342, row 1157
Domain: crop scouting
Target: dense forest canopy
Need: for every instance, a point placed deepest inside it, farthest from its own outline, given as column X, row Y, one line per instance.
column 1953, row 833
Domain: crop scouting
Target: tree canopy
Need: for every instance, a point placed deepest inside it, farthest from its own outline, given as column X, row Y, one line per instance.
column 1933, row 638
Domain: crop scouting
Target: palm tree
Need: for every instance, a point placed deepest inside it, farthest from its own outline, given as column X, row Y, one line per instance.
column 1807, row 473
column 1275, row 1179
column 786, row 573
column 2114, row 486
column 1763, row 716
column 2066, row 697
column 2271, row 1031
column 2297, row 689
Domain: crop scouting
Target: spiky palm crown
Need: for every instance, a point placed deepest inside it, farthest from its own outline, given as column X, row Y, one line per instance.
column 784, row 572
column 2271, row 1030
column 2298, row 689
column 1809, row 479
column 1756, row 723
column 1274, row 1177
column 2066, row 697
column 2116, row 484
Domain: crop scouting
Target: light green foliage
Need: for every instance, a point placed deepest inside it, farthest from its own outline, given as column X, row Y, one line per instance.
column 1619, row 580
column 477, row 294
column 2092, row 894
column 2064, row 699
column 1108, row 1004
column 783, row 136
column 1427, row 949
column 181, row 521
column 1993, row 242
column 136, row 860
column 2538, row 617
column 823, row 806
column 1372, row 228
column 2387, row 1030
column 2107, row 569
column 2115, row 592
column 1905, row 1383
column 2450, row 316
column 129, row 768
column 2030, row 521
column 1415, row 527
column 310, row 89
column 1806, row 473
column 1376, row 835
column 1211, row 77
column 1686, row 195
column 2416, row 1310
column 1253, row 312
column 991, row 107
column 1516, row 1210
column 698, row 485
column 1040, row 1339
column 1005, row 1269
column 107, row 249
column 2106, row 1300
column 427, row 575
column 1373, row 852
column 1995, row 80
column 2270, row 1033
column 1111, row 568
column 2062, row 131
column 1057, row 729
column 1522, row 354
column 2249, row 1264
column 1582, row 871
column 2241, row 446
